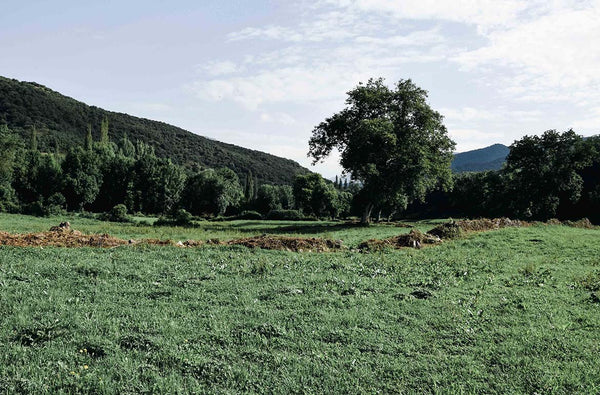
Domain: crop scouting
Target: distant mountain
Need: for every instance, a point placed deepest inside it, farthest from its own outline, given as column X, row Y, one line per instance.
column 488, row 158
column 62, row 122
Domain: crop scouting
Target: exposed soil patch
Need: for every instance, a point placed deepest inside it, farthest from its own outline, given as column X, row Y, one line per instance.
column 414, row 239
column 63, row 236
column 59, row 236
column 288, row 243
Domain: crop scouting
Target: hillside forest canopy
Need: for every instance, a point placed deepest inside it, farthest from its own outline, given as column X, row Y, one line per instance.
column 395, row 151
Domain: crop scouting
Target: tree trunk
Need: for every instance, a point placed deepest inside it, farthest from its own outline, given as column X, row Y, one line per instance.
column 379, row 216
column 366, row 217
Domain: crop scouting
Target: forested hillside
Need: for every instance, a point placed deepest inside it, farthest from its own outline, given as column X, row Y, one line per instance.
column 62, row 122
column 483, row 159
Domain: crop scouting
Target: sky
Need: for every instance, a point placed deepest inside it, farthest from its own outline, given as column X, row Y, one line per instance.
column 263, row 73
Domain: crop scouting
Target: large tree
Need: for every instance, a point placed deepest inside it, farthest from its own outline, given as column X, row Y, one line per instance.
column 391, row 141
column 543, row 172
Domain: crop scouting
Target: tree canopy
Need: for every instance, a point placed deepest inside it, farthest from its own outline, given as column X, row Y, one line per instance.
column 391, row 141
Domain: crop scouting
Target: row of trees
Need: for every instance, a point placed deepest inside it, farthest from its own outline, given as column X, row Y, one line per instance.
column 553, row 175
column 101, row 175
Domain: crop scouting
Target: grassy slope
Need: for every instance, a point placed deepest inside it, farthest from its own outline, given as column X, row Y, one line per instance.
column 509, row 313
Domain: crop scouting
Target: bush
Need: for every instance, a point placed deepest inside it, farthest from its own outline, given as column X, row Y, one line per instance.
column 183, row 218
column 55, row 204
column 180, row 218
column 117, row 214
column 286, row 215
column 248, row 214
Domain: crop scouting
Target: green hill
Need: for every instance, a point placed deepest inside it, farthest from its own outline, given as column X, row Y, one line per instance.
column 62, row 122
column 488, row 158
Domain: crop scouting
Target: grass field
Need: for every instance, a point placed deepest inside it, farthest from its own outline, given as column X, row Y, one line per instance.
column 510, row 311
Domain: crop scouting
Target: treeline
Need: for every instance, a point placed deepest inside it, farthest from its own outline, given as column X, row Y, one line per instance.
column 103, row 174
column 556, row 175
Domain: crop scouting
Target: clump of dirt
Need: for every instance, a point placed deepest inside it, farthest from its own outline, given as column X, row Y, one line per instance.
column 59, row 236
column 482, row 224
column 448, row 230
column 454, row 229
column 414, row 239
column 583, row 223
column 282, row 243
column 553, row 221
column 158, row 242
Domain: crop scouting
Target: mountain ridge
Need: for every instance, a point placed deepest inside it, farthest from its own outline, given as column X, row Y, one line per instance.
column 62, row 122
column 482, row 159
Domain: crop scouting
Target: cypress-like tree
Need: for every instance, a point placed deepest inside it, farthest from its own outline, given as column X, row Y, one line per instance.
column 88, row 138
column 104, row 132
column 249, row 187
column 34, row 139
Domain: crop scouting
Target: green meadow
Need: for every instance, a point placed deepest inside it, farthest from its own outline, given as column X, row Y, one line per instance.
column 515, row 310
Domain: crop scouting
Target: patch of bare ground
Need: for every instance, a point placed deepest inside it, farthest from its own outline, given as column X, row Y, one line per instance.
column 414, row 239
column 283, row 243
column 59, row 236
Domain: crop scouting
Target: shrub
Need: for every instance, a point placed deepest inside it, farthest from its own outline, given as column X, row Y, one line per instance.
column 183, row 218
column 248, row 214
column 180, row 218
column 117, row 214
column 287, row 215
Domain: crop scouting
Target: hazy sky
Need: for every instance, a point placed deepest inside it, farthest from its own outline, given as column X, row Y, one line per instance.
column 262, row 74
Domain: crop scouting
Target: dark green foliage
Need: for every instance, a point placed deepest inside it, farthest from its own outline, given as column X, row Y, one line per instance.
column 180, row 218
column 287, row 215
column 390, row 140
column 36, row 177
column 158, row 183
column 183, row 218
column 212, row 192
column 274, row 197
column 82, row 177
column 64, row 121
column 543, row 171
column 117, row 214
column 249, row 214
column 317, row 197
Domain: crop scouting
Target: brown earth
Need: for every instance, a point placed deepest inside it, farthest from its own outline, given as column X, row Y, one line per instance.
column 283, row 243
column 59, row 238
column 414, row 239
column 63, row 236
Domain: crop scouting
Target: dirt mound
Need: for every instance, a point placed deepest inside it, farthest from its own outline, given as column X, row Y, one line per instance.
column 59, row 236
column 414, row 239
column 448, row 230
column 288, row 243
column 483, row 224
column 583, row 223
column 454, row 229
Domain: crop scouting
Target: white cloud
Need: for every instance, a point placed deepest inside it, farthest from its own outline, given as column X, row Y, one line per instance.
column 553, row 57
column 218, row 68
column 277, row 117
column 484, row 13
column 301, row 84
column 466, row 114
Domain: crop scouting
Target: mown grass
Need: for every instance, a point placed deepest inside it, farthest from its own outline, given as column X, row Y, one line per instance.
column 508, row 311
